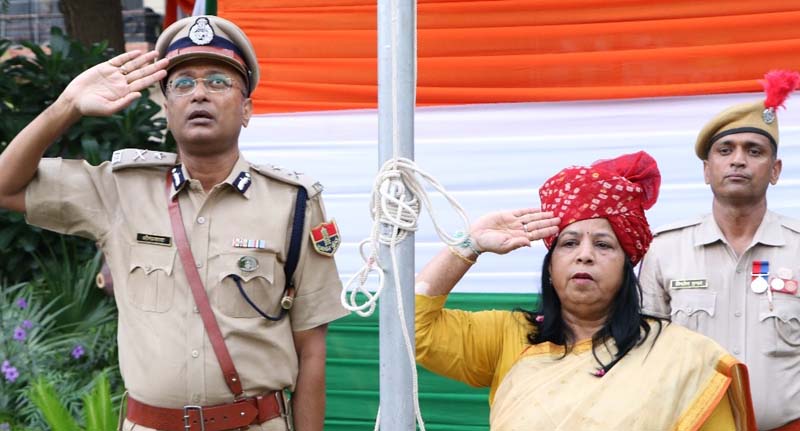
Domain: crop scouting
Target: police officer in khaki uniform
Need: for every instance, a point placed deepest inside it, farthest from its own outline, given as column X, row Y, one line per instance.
column 733, row 274
column 206, row 217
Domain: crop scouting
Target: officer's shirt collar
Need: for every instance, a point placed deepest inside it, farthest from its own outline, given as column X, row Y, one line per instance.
column 769, row 232
column 239, row 179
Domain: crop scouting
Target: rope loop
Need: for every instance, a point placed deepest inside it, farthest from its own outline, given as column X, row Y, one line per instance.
column 397, row 199
column 349, row 296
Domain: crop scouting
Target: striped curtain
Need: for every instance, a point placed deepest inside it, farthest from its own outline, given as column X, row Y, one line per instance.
column 321, row 54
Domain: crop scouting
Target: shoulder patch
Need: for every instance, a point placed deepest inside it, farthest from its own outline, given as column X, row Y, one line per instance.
column 790, row 223
column 677, row 225
column 289, row 176
column 135, row 158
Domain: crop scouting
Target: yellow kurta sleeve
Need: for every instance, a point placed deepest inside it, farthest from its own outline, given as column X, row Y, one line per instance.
column 461, row 345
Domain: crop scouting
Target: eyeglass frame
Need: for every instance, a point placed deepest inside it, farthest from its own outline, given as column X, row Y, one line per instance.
column 231, row 83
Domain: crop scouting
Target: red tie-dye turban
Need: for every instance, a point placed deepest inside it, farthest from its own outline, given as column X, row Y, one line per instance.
column 618, row 190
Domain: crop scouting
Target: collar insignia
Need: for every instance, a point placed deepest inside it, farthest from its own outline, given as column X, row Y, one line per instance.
column 177, row 177
column 242, row 182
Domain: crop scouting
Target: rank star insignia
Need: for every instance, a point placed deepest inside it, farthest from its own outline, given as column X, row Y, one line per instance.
column 325, row 238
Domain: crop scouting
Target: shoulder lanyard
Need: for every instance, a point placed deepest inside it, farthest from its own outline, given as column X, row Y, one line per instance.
column 200, row 296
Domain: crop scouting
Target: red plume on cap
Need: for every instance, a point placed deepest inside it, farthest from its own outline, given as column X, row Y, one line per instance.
column 777, row 85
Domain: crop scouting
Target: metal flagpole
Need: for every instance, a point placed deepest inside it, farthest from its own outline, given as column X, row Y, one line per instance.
column 396, row 98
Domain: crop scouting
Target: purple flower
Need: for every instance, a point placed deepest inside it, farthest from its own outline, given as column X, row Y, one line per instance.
column 77, row 352
column 20, row 334
column 5, row 426
column 27, row 324
column 22, row 303
column 11, row 374
column 5, row 365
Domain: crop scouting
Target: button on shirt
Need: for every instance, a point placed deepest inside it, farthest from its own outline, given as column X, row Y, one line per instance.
column 723, row 307
column 165, row 356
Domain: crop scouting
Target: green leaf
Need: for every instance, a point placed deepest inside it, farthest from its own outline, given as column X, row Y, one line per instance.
column 55, row 413
column 98, row 411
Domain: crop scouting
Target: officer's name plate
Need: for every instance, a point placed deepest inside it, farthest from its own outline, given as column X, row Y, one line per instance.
column 696, row 283
column 153, row 239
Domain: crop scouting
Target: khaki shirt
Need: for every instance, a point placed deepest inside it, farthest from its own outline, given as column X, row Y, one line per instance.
column 723, row 307
column 165, row 357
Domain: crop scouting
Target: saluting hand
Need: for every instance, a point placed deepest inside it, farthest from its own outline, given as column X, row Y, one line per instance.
column 503, row 231
column 111, row 86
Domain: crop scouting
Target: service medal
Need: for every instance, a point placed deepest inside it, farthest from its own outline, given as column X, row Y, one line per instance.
column 759, row 285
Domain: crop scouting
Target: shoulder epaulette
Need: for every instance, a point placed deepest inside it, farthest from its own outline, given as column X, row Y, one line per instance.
column 677, row 225
column 790, row 223
column 136, row 158
column 289, row 176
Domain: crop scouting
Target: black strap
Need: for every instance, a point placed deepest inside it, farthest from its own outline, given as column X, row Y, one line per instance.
column 297, row 236
column 258, row 309
column 292, row 258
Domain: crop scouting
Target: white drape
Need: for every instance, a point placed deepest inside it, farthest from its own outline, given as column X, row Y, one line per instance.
column 496, row 156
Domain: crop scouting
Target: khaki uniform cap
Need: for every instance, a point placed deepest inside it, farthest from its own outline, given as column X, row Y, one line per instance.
column 750, row 117
column 211, row 37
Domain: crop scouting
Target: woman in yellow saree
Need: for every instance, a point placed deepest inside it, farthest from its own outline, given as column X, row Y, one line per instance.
column 587, row 359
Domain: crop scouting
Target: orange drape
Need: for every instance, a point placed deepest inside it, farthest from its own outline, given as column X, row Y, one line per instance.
column 171, row 12
column 322, row 54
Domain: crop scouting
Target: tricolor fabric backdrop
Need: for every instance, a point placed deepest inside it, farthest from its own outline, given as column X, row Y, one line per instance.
column 509, row 92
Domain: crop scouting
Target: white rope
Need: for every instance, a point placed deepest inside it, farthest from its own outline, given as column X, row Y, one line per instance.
column 395, row 203
column 396, row 197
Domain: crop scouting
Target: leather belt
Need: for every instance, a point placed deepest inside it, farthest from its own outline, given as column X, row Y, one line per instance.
column 236, row 415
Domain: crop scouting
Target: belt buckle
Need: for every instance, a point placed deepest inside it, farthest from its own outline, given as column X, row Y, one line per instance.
column 187, row 424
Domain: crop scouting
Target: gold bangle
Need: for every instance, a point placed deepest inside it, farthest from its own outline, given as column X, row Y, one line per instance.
column 460, row 256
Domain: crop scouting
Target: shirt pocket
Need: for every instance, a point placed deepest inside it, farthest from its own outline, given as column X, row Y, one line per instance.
column 693, row 308
column 780, row 326
column 151, row 285
column 258, row 283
